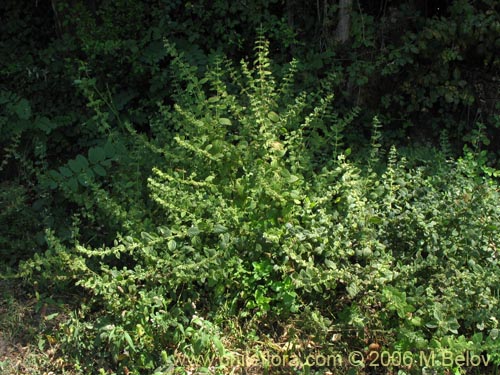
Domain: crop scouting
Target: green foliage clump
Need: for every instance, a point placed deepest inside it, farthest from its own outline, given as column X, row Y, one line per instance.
column 17, row 220
column 252, row 216
column 232, row 176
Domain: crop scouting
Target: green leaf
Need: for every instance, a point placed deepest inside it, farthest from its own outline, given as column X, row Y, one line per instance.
column 54, row 174
column 352, row 289
column 83, row 180
column 65, row 171
column 82, row 161
column 453, row 325
column 99, row 170
column 416, row 321
column 96, row 154
column 375, row 220
column 23, row 109
column 494, row 333
column 225, row 121
column 43, row 123
column 218, row 228
column 147, row 236
column 129, row 340
column 273, row 116
column 75, row 166
column 172, row 245
column 330, row 264
column 193, row 231
column 218, row 345
column 90, row 174
column 51, row 316
column 109, row 150
column 73, row 184
column 164, row 231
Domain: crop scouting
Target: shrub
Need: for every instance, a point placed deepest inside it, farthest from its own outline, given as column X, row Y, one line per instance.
column 251, row 212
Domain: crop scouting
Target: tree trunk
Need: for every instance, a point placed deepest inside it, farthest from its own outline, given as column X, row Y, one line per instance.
column 343, row 26
column 290, row 14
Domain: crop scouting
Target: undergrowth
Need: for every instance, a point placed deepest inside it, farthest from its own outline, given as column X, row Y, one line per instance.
column 246, row 227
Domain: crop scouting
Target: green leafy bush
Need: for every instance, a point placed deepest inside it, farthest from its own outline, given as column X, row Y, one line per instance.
column 252, row 217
